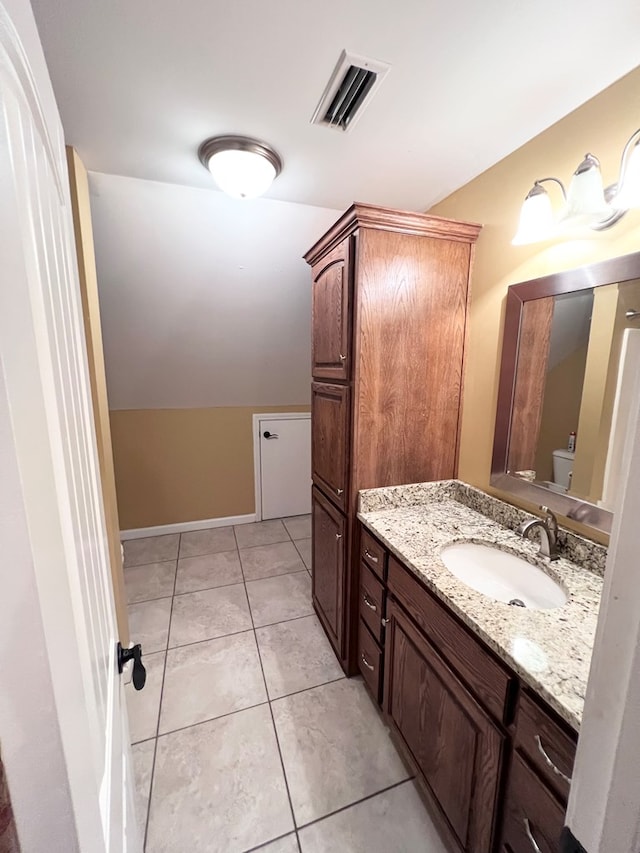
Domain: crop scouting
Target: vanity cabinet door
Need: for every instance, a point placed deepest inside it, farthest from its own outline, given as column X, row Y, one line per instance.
column 327, row 570
column 330, row 440
column 445, row 733
column 331, row 312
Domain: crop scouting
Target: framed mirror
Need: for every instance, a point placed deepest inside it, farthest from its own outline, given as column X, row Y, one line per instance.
column 570, row 356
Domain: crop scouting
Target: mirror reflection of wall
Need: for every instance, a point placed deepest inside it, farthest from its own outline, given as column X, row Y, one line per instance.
column 577, row 358
column 564, row 381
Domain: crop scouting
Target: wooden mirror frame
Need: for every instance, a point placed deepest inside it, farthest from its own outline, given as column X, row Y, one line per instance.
column 620, row 269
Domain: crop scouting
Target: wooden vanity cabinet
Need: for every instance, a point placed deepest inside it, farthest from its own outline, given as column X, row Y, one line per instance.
column 491, row 758
column 389, row 301
column 453, row 742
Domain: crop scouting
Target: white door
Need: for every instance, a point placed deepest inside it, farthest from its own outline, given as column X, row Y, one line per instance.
column 283, row 470
column 43, row 354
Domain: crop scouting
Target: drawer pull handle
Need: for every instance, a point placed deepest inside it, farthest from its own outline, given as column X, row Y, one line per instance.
column 366, row 662
column 369, row 603
column 527, row 829
column 371, row 557
column 549, row 762
column 339, row 491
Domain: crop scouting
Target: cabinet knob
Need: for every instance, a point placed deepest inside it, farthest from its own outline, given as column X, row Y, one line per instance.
column 338, row 535
column 366, row 662
column 532, row 841
column 342, row 357
column 385, row 622
column 339, row 491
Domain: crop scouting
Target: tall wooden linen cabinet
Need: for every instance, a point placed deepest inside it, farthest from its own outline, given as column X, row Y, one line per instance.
column 389, row 309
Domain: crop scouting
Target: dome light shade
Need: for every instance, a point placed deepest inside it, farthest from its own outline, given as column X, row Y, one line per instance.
column 536, row 218
column 585, row 197
column 241, row 167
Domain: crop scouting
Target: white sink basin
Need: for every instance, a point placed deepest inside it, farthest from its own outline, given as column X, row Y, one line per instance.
column 502, row 576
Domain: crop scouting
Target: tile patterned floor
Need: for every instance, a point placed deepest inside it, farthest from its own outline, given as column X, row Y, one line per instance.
column 247, row 736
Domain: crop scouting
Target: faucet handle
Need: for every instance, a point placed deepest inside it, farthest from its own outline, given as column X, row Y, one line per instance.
column 552, row 521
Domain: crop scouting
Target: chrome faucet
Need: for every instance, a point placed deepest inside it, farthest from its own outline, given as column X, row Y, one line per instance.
column 548, row 532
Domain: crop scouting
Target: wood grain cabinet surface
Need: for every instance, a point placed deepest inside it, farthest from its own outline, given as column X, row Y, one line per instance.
column 493, row 760
column 456, row 747
column 329, row 548
column 389, row 297
column 331, row 314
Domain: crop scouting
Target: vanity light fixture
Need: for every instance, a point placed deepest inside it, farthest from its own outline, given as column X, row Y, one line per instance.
column 241, row 166
column 586, row 203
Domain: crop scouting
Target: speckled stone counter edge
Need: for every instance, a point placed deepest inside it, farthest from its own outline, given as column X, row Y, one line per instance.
column 550, row 648
column 587, row 554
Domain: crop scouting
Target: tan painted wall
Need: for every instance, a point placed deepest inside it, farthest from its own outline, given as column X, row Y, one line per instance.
column 176, row 465
column 83, row 231
column 602, row 126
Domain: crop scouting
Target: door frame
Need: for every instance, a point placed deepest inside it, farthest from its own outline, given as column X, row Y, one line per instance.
column 257, row 451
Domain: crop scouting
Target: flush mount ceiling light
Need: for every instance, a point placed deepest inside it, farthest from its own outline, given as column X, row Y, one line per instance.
column 242, row 167
column 586, row 203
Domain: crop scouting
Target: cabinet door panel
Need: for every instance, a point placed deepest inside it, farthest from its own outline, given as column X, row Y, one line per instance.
column 331, row 313
column 328, row 562
column 450, row 738
column 330, row 439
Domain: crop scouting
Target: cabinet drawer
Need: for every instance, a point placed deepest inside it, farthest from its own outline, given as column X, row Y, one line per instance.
column 488, row 680
column 532, row 814
column 370, row 660
column 548, row 747
column 372, row 600
column 373, row 554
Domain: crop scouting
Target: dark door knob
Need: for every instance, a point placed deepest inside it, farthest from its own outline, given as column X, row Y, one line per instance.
column 268, row 434
column 134, row 654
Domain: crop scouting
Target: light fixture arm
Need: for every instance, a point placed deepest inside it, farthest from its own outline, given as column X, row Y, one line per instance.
column 626, row 153
column 556, row 181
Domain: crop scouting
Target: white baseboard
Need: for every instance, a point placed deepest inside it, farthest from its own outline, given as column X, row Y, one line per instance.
column 186, row 526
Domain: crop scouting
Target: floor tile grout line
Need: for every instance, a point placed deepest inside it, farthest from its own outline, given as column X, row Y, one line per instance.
column 275, row 732
column 356, row 803
column 219, row 586
column 282, row 621
column 164, row 672
column 212, row 719
column 306, row 689
column 267, row 843
column 240, row 710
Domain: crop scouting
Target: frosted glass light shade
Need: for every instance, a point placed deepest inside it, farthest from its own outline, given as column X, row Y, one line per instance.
column 242, row 174
column 241, row 166
column 536, row 218
column 628, row 195
column 585, row 196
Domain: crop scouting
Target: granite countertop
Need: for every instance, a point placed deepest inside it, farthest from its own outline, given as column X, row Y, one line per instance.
column 550, row 649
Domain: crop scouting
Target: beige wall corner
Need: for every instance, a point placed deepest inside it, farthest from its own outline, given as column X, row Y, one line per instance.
column 602, row 126
column 177, row 465
column 79, row 187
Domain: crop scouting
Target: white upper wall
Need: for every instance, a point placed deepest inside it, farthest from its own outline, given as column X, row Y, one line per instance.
column 205, row 300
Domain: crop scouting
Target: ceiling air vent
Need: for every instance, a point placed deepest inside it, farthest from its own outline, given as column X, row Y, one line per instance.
column 352, row 85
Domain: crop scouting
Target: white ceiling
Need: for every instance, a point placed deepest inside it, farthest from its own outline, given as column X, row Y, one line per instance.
column 140, row 83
